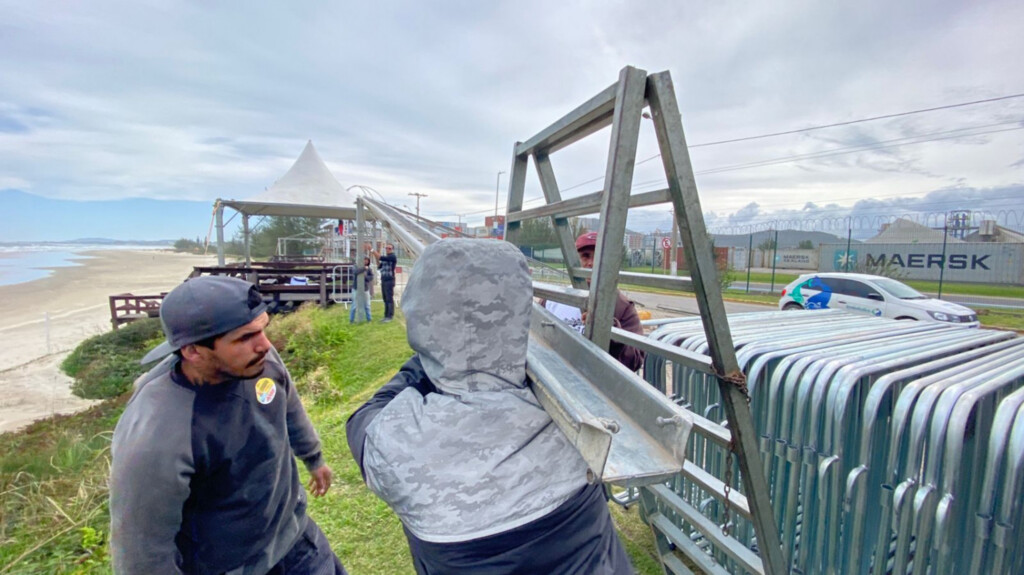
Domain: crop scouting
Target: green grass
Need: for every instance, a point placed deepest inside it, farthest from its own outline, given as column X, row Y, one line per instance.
column 1002, row 318
column 987, row 290
column 53, row 495
column 105, row 366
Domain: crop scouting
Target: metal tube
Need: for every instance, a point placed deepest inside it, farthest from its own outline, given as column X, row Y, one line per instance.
column 750, row 258
column 359, row 301
column 775, row 257
column 220, row 233
column 846, row 258
column 497, row 186
column 245, row 236
column 942, row 267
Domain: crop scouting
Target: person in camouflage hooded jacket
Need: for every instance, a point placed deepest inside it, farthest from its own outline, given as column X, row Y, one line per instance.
column 457, row 444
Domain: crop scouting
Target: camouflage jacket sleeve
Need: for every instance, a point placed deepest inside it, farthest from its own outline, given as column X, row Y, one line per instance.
column 410, row 375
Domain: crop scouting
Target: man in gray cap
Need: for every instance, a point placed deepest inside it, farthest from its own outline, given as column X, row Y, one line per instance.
column 203, row 476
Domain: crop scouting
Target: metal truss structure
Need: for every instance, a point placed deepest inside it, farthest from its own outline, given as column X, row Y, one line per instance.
column 886, row 447
column 629, row 433
column 621, row 106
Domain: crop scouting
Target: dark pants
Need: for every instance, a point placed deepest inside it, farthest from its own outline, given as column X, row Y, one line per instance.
column 311, row 555
column 387, row 291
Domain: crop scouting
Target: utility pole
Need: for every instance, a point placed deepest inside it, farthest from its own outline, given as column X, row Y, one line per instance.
column 418, row 196
column 497, row 186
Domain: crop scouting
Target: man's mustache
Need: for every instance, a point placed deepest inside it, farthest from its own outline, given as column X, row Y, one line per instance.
column 257, row 360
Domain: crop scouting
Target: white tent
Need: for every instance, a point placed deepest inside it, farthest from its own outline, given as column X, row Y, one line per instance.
column 307, row 189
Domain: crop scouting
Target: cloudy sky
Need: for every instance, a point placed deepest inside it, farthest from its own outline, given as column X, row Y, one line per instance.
column 157, row 108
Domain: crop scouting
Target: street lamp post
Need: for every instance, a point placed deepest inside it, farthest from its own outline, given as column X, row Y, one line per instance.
column 497, row 187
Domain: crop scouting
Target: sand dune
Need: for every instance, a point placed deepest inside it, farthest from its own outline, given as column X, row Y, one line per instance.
column 43, row 320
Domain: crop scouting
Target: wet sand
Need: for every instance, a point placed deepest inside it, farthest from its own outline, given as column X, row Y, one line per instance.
column 74, row 299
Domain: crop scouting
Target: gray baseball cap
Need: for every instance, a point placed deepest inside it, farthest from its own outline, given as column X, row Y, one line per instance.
column 204, row 307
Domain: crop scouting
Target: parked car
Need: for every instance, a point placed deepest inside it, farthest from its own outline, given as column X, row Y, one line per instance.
column 874, row 295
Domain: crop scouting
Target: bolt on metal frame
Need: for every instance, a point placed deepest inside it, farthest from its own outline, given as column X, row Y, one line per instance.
column 620, row 106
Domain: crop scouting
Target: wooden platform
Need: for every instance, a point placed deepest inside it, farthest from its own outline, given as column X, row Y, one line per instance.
column 327, row 282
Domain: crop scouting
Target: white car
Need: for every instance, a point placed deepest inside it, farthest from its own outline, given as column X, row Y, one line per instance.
column 874, row 295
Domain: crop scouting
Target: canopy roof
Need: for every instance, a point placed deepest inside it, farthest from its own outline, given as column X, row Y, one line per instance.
column 308, row 189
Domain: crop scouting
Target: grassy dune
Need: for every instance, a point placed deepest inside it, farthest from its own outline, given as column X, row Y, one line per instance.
column 53, row 494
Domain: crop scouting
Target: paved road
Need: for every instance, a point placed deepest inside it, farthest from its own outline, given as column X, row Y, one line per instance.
column 682, row 305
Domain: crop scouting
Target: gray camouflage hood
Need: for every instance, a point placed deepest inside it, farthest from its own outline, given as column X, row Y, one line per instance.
column 467, row 308
column 481, row 456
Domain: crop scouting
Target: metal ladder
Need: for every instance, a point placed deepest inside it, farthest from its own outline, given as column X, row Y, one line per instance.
column 621, row 106
column 629, row 433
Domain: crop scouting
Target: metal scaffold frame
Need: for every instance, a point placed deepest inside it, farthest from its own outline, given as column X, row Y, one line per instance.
column 620, row 106
column 628, row 432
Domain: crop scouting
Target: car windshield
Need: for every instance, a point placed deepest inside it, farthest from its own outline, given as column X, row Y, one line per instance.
column 898, row 289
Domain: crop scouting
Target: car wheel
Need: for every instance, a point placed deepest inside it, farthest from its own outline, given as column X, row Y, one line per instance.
column 792, row 306
column 907, row 317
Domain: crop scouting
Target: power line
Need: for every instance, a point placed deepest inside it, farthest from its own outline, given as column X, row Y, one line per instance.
column 860, row 121
column 843, row 151
column 798, row 131
column 933, row 137
column 882, row 144
column 820, row 127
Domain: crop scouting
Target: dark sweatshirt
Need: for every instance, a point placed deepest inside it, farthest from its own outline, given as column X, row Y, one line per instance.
column 386, row 264
column 203, row 478
column 626, row 318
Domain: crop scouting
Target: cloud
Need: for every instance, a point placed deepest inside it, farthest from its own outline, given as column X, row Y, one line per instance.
column 194, row 101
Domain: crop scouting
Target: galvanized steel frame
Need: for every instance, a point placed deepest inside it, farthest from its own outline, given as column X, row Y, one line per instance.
column 872, row 436
column 620, row 106
column 582, row 387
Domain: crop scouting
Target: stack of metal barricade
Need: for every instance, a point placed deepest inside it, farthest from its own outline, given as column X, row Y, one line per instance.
column 889, row 446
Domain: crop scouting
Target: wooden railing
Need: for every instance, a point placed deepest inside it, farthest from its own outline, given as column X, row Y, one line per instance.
column 126, row 307
column 274, row 280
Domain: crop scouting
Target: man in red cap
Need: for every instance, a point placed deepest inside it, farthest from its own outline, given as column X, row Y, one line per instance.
column 625, row 312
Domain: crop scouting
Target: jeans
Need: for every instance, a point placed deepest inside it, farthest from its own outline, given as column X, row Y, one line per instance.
column 311, row 555
column 366, row 309
column 387, row 290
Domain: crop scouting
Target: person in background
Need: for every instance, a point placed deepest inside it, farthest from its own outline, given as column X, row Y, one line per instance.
column 203, row 476
column 457, row 444
column 368, row 290
column 625, row 311
column 386, row 265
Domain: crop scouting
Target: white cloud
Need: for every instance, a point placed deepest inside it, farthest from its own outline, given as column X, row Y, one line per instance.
column 189, row 100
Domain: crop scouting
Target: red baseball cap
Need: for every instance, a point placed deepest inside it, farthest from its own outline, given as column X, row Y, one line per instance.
column 587, row 240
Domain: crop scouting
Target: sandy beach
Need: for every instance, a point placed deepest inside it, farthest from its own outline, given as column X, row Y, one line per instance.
column 75, row 301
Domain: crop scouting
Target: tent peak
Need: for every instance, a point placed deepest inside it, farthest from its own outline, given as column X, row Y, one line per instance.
column 308, row 182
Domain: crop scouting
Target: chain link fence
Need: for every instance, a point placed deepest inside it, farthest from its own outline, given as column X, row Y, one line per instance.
column 972, row 258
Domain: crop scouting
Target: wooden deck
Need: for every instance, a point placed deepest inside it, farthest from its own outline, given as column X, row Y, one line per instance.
column 326, row 282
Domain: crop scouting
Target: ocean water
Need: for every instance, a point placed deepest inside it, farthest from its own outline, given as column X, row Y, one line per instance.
column 30, row 262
